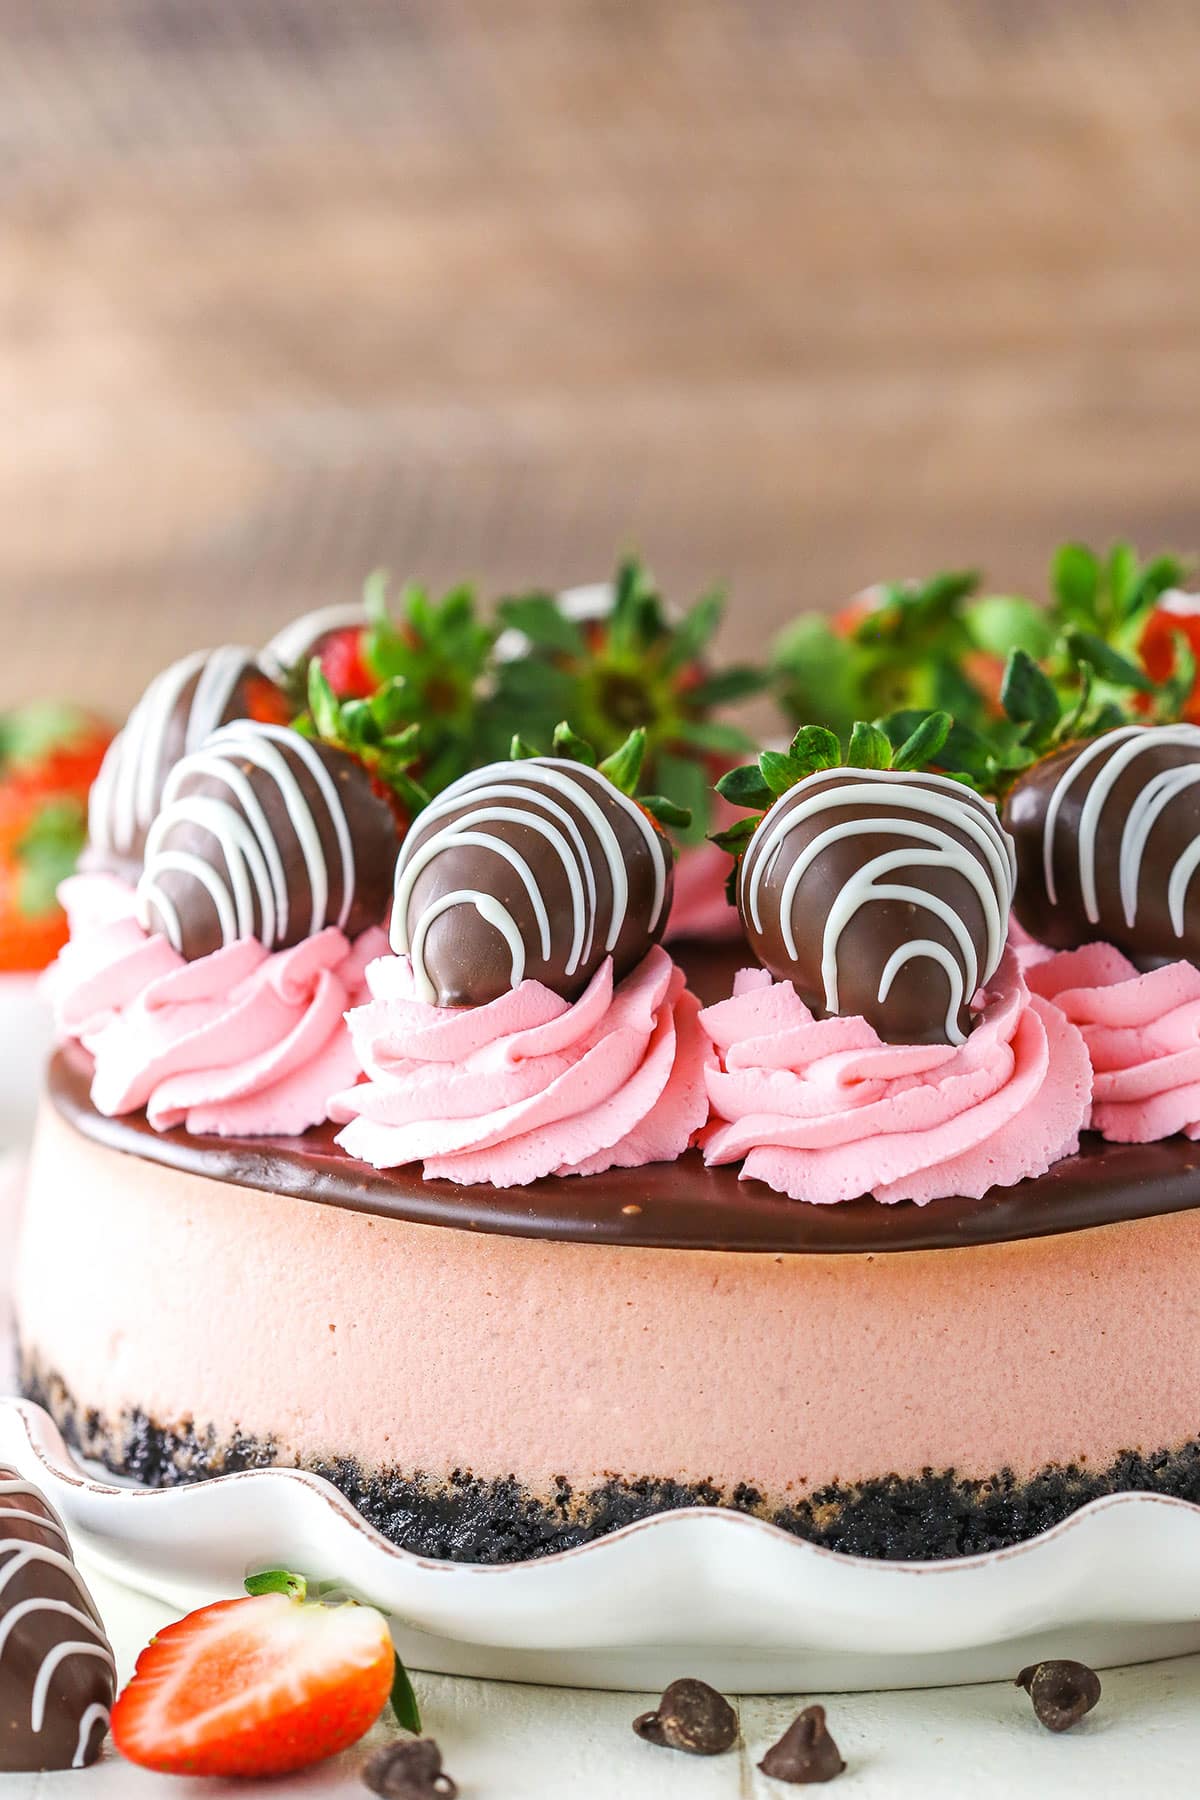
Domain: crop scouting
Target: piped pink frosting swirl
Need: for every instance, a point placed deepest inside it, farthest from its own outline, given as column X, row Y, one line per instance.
column 244, row 1042
column 528, row 1085
column 1143, row 1036
column 823, row 1110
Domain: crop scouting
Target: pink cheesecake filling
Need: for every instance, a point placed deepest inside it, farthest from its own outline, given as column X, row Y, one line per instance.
column 240, row 1043
column 528, row 1085
column 1142, row 1033
column 823, row 1110
column 433, row 1349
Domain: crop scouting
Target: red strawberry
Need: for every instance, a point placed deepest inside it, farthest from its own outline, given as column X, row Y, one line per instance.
column 265, row 702
column 28, row 941
column 342, row 656
column 255, row 1687
column 1176, row 615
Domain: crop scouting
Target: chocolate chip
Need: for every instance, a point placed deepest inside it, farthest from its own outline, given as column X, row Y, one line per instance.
column 690, row 1716
column 409, row 1770
column 805, row 1753
column 1061, row 1692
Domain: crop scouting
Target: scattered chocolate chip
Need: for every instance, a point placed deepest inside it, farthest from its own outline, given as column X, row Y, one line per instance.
column 805, row 1753
column 409, row 1770
column 690, row 1716
column 1062, row 1692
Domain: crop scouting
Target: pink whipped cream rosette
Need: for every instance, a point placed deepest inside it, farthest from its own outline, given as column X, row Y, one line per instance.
column 823, row 1110
column 529, row 1084
column 244, row 1042
column 1143, row 1036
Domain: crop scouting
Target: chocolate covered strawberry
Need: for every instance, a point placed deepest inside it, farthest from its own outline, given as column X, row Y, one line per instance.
column 538, row 867
column 1107, row 832
column 182, row 706
column 276, row 833
column 261, row 1686
column 877, row 888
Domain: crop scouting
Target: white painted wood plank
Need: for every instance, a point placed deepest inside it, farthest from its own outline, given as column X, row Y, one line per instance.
column 508, row 1742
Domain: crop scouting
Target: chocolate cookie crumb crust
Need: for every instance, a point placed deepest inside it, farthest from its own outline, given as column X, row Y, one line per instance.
column 930, row 1516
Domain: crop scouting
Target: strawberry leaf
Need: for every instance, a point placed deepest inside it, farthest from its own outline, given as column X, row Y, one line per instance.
column 322, row 702
column 781, row 771
column 686, row 784
column 404, row 1701
column 925, row 742
column 665, row 812
column 813, row 748
column 1029, row 698
column 713, row 736
column 1075, row 579
column 277, row 1581
column 1156, row 578
column 624, row 767
column 869, row 748
column 735, row 837
column 695, row 630
column 1108, row 663
column 568, row 743
column 541, row 620
column 727, row 685
column 745, row 786
column 520, row 751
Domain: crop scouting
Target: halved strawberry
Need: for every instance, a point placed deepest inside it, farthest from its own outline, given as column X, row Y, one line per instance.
column 256, row 1687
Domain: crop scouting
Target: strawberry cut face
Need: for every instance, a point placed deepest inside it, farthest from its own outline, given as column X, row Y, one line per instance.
column 255, row 1688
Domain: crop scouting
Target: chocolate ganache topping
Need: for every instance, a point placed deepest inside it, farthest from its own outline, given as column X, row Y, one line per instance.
column 264, row 833
column 57, row 1675
column 1108, row 841
column 177, row 712
column 881, row 893
column 539, row 869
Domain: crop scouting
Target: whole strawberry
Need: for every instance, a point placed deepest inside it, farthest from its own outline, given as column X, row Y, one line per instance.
column 49, row 756
column 276, row 833
column 880, row 889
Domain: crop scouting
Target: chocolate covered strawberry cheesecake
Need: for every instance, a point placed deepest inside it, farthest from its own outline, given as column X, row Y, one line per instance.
column 386, row 1139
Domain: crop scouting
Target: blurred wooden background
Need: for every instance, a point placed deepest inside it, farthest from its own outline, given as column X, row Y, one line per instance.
column 797, row 295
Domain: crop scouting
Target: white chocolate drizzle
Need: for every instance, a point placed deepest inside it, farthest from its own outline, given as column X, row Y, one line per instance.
column 18, row 1554
column 554, row 798
column 288, row 648
column 125, row 794
column 1122, row 748
column 987, row 863
column 251, row 874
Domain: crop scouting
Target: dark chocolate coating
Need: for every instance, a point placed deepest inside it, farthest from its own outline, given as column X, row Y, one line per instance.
column 681, row 1206
column 1062, row 920
column 465, row 954
column 81, row 1688
column 178, row 903
column 180, row 708
column 917, row 1001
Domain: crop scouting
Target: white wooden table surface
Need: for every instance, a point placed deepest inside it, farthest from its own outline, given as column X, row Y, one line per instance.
column 504, row 1742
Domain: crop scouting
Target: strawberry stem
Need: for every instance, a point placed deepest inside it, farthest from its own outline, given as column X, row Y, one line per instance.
column 277, row 1581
